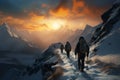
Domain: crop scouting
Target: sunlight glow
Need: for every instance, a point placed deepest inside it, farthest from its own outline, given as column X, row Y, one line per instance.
column 56, row 25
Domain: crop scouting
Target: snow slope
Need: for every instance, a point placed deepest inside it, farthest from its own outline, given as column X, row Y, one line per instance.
column 109, row 43
column 109, row 18
column 105, row 42
column 71, row 71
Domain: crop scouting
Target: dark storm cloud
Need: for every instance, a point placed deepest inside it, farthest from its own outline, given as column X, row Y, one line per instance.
column 99, row 3
column 64, row 4
column 95, row 8
column 22, row 8
column 10, row 8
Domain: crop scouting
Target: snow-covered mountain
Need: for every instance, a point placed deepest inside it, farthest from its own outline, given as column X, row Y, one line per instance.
column 110, row 18
column 110, row 44
column 15, row 53
column 9, row 41
column 105, row 41
column 105, row 44
column 107, row 35
column 74, row 37
column 87, row 32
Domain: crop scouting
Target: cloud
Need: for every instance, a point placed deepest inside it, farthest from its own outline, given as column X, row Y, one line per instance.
column 9, row 8
column 39, row 15
column 77, row 9
column 61, row 13
column 31, row 13
column 99, row 3
column 63, row 4
column 22, row 8
column 32, row 24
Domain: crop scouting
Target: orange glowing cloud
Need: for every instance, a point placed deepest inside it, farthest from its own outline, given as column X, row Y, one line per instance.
column 79, row 10
column 61, row 12
column 78, row 6
column 32, row 24
column 77, row 14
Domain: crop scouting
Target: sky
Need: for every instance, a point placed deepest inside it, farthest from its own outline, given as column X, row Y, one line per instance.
column 52, row 14
column 48, row 21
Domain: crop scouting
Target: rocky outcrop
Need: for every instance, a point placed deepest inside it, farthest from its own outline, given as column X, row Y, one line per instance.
column 109, row 18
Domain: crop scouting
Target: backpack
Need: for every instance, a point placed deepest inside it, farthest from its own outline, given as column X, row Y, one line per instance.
column 83, row 48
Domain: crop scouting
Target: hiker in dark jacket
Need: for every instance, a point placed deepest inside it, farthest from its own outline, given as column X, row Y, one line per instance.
column 68, row 48
column 61, row 48
column 82, row 49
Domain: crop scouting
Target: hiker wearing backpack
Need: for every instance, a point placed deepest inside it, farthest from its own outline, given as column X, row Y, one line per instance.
column 61, row 48
column 82, row 49
column 68, row 48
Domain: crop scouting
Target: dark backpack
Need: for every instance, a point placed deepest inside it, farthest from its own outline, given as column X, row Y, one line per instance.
column 83, row 48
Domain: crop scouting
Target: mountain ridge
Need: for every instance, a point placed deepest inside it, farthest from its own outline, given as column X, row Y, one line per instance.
column 11, row 42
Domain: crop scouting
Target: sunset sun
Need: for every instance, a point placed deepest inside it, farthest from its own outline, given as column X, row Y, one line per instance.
column 56, row 25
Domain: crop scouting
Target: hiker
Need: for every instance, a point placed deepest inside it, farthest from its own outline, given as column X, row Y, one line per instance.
column 61, row 48
column 82, row 49
column 68, row 48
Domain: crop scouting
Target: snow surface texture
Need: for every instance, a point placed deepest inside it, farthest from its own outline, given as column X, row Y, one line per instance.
column 107, row 49
column 71, row 71
column 109, row 46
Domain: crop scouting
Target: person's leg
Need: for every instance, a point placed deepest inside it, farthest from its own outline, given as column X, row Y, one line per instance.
column 79, row 64
column 82, row 64
column 68, row 54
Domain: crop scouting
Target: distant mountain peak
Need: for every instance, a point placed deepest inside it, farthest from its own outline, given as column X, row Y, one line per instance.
column 87, row 25
column 9, row 41
column 4, row 28
column 86, row 29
